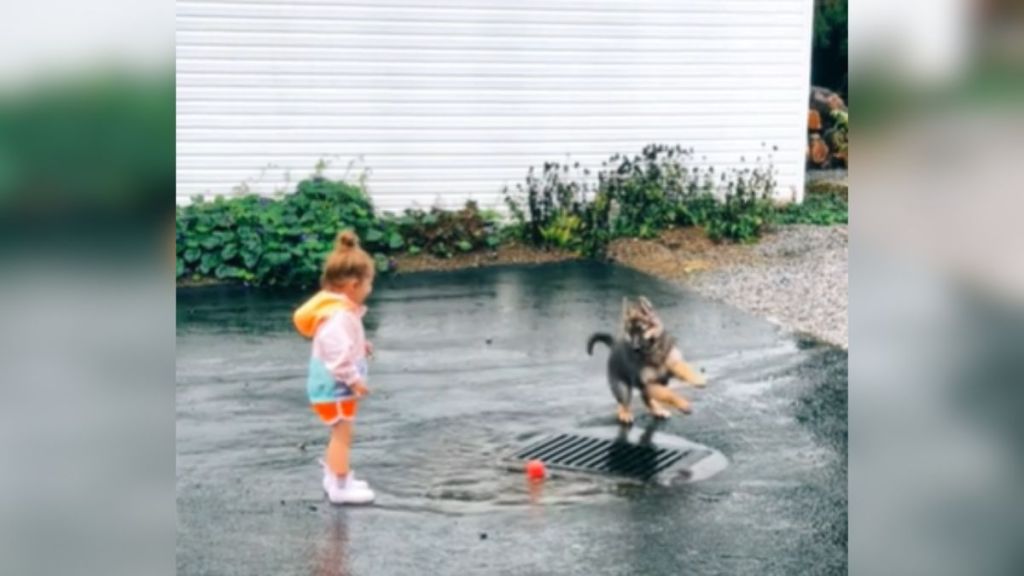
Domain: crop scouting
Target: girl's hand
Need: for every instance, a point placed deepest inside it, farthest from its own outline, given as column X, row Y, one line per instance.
column 359, row 388
column 369, row 349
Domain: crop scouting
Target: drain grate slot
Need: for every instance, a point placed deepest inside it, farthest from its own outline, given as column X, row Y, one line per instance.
column 645, row 464
column 597, row 459
column 630, row 459
column 664, row 461
column 563, row 451
column 580, row 451
column 541, row 449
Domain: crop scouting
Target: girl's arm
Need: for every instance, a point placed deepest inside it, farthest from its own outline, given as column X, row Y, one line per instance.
column 338, row 340
column 359, row 387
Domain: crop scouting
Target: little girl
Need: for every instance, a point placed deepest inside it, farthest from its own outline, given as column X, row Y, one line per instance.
column 337, row 368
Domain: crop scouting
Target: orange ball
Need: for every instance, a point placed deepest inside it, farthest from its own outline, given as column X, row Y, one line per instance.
column 535, row 470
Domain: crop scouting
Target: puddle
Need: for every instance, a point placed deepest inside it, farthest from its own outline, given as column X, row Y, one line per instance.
column 469, row 365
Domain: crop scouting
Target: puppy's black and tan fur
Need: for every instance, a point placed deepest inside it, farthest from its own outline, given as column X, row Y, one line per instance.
column 644, row 358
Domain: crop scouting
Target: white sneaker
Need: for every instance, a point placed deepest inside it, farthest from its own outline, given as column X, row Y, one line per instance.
column 330, row 477
column 346, row 489
column 343, row 492
column 351, row 479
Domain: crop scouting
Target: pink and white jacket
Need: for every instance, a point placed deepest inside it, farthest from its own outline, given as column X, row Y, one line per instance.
column 335, row 324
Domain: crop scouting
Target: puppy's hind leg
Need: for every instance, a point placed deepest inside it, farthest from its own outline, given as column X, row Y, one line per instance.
column 660, row 393
column 624, row 415
column 657, row 410
column 653, row 406
column 623, row 395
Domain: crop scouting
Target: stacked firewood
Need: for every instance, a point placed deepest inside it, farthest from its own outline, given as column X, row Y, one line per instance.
column 827, row 130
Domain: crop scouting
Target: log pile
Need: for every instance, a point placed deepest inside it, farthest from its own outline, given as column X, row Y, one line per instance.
column 827, row 129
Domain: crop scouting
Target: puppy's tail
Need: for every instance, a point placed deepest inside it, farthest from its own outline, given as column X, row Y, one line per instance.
column 602, row 337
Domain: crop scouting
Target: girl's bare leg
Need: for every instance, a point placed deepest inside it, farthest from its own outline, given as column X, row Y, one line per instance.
column 338, row 447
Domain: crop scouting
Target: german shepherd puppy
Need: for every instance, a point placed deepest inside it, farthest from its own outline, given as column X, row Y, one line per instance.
column 645, row 358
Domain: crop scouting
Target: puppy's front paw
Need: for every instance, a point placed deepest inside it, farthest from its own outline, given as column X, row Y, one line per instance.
column 683, row 405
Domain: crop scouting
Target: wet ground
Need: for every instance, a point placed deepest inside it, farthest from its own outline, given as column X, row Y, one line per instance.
column 469, row 365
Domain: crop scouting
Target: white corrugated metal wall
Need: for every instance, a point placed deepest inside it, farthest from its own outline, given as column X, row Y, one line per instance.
column 445, row 100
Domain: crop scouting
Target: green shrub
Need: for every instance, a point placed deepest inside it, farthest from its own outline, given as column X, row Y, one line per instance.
column 83, row 149
column 644, row 190
column 747, row 208
column 823, row 209
column 283, row 241
column 639, row 196
column 443, row 233
column 558, row 212
column 697, row 210
column 276, row 241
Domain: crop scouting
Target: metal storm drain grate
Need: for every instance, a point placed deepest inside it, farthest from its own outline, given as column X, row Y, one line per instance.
column 635, row 455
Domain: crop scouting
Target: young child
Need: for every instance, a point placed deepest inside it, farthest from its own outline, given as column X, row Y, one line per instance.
column 337, row 367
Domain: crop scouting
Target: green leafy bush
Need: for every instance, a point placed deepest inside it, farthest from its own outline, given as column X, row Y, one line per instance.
column 747, row 208
column 823, row 209
column 443, row 233
column 554, row 208
column 89, row 147
column 643, row 190
column 639, row 196
column 283, row 241
column 275, row 241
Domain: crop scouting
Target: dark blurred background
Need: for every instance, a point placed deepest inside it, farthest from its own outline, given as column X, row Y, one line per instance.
column 829, row 57
column 937, row 287
column 91, row 147
column 86, row 287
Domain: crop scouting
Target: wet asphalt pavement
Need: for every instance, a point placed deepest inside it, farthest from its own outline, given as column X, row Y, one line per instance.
column 472, row 364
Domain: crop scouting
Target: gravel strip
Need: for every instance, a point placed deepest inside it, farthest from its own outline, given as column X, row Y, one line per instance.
column 798, row 278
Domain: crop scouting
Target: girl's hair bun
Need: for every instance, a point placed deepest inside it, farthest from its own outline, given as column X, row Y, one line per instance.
column 346, row 240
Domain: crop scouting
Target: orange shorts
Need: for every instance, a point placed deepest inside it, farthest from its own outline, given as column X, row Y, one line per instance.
column 333, row 412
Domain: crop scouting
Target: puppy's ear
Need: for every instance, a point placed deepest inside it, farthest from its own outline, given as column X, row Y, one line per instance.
column 646, row 305
column 648, row 311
